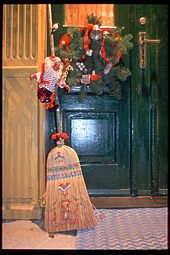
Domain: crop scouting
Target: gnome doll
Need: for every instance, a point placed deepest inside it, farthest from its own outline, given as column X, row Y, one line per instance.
column 49, row 77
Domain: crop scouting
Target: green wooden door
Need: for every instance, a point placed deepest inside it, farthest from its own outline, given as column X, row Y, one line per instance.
column 122, row 144
column 149, row 102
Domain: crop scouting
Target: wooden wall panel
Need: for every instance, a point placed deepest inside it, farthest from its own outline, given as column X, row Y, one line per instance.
column 20, row 41
column 19, row 114
column 24, row 48
column 75, row 14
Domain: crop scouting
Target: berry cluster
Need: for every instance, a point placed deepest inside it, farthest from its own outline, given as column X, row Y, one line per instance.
column 81, row 66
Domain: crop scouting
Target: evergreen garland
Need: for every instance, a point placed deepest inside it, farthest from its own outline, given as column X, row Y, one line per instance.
column 115, row 45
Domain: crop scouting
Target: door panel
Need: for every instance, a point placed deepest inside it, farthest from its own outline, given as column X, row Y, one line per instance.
column 92, row 134
column 98, row 148
column 98, row 137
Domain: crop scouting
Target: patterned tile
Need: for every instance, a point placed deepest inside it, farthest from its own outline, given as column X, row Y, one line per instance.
column 130, row 229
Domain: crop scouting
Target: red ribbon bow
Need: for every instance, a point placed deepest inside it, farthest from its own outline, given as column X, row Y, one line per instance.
column 94, row 77
column 103, row 49
column 88, row 27
column 62, row 135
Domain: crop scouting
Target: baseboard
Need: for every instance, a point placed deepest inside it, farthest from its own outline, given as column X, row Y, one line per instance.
column 130, row 202
column 20, row 211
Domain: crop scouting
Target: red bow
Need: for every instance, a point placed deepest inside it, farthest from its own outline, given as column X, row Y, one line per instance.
column 118, row 51
column 62, row 135
column 103, row 49
column 88, row 27
column 94, row 77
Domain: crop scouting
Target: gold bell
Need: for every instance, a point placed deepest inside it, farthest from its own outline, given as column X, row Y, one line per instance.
column 96, row 33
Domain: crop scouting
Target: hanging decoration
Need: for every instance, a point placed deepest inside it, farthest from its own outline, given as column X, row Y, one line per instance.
column 95, row 49
column 53, row 74
column 96, row 33
column 54, row 28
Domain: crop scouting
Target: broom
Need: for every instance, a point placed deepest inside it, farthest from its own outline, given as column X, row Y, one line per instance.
column 54, row 96
column 67, row 203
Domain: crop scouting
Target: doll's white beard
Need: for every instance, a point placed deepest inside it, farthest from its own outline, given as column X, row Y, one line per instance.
column 51, row 71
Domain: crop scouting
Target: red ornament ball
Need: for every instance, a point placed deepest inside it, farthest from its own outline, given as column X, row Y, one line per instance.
column 78, row 81
column 113, row 44
column 83, row 57
column 123, row 71
column 107, row 60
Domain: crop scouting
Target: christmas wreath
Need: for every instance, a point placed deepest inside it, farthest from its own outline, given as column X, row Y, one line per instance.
column 96, row 53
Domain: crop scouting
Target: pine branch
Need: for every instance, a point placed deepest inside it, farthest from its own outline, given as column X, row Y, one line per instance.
column 92, row 19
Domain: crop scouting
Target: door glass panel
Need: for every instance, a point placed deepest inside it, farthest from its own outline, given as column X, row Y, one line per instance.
column 75, row 14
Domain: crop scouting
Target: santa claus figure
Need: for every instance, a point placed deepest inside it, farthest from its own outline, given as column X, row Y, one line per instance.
column 49, row 77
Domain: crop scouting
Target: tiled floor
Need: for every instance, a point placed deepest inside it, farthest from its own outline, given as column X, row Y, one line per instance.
column 127, row 229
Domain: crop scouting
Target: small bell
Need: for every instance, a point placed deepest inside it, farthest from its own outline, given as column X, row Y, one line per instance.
column 96, row 33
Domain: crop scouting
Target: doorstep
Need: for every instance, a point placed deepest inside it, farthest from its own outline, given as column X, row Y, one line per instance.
column 130, row 202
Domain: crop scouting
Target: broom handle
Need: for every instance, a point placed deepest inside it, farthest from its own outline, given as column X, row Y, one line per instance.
column 50, row 27
column 58, row 125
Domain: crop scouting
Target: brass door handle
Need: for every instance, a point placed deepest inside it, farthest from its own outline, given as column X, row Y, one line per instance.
column 142, row 44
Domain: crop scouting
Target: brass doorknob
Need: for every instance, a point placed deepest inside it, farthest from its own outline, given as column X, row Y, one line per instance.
column 142, row 44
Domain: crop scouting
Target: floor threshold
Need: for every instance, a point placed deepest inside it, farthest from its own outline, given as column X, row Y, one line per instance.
column 130, row 202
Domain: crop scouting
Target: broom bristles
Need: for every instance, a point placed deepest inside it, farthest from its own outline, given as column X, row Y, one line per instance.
column 68, row 205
